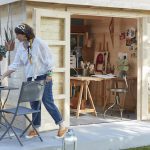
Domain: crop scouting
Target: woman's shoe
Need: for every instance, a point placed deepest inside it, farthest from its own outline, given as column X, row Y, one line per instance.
column 62, row 132
column 32, row 134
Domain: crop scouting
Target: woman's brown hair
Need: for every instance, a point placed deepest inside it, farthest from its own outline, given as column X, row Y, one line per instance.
column 25, row 30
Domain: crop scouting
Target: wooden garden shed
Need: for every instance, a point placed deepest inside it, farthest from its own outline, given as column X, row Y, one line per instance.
column 51, row 20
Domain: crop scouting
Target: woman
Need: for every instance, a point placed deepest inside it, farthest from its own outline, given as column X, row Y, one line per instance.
column 34, row 54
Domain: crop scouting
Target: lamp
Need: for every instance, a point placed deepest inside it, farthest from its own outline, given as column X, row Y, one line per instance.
column 69, row 141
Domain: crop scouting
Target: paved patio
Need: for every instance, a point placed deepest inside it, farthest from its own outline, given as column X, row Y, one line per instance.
column 104, row 136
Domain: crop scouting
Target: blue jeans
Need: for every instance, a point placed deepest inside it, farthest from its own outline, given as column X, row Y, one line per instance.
column 48, row 102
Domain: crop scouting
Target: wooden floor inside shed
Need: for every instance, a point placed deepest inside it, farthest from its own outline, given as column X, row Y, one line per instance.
column 86, row 119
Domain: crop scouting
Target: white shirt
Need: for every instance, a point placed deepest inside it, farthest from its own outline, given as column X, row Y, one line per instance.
column 42, row 59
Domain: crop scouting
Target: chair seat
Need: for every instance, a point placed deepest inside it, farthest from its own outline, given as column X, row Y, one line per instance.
column 21, row 110
column 119, row 90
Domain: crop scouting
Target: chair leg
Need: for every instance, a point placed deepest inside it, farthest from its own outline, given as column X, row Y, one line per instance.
column 109, row 108
column 121, row 113
column 24, row 131
column 4, row 124
column 121, row 110
column 116, row 102
column 34, row 127
column 8, row 128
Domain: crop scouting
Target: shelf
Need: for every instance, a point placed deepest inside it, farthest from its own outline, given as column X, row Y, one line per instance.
column 86, row 110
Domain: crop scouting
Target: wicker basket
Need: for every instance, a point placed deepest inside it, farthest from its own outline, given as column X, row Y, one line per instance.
column 10, row 45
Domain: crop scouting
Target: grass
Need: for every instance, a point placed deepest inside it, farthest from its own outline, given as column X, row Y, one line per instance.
column 140, row 148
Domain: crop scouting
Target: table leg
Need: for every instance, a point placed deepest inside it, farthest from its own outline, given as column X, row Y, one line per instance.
column 86, row 86
column 91, row 100
column 124, row 99
column 71, row 89
column 6, row 99
column 104, row 95
column 2, row 105
column 79, row 101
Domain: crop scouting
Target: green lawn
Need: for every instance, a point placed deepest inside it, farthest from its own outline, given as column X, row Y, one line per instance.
column 140, row 148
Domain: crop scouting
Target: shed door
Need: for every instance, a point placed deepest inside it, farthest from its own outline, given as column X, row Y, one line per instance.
column 54, row 27
column 143, row 102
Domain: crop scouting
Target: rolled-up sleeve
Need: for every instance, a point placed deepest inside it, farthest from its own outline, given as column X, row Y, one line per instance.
column 47, row 56
column 16, row 63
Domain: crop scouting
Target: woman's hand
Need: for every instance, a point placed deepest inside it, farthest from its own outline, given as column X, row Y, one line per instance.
column 6, row 74
column 48, row 78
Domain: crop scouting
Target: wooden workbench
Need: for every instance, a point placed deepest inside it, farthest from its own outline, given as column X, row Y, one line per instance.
column 104, row 94
column 84, row 82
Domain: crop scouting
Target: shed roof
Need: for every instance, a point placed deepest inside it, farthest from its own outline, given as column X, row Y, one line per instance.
column 128, row 4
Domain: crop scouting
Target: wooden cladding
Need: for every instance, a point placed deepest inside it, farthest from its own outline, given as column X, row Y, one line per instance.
column 79, row 28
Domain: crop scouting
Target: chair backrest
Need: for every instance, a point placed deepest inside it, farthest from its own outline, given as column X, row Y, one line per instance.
column 31, row 91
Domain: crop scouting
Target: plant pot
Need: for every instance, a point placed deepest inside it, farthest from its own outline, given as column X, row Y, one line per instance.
column 122, row 73
column 85, row 72
column 10, row 45
column 1, row 57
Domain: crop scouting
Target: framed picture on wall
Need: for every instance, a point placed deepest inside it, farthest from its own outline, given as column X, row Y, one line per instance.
column 100, row 62
column 128, row 42
column 131, row 33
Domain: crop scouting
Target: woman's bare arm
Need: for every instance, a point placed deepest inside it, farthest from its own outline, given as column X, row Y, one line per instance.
column 7, row 73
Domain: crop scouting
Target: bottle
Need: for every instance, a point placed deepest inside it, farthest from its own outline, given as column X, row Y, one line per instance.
column 70, row 141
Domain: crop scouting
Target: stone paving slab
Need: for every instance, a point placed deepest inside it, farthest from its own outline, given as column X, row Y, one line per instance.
column 105, row 136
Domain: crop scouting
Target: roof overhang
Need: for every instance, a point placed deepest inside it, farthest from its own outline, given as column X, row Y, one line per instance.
column 3, row 2
column 127, row 4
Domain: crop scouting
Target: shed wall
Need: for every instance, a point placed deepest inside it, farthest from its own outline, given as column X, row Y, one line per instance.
column 15, row 80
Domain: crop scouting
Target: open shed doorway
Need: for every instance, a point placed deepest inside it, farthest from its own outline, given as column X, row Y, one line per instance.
column 93, row 35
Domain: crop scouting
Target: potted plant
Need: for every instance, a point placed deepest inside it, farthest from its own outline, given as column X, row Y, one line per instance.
column 10, row 40
column 123, row 66
column 2, row 52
